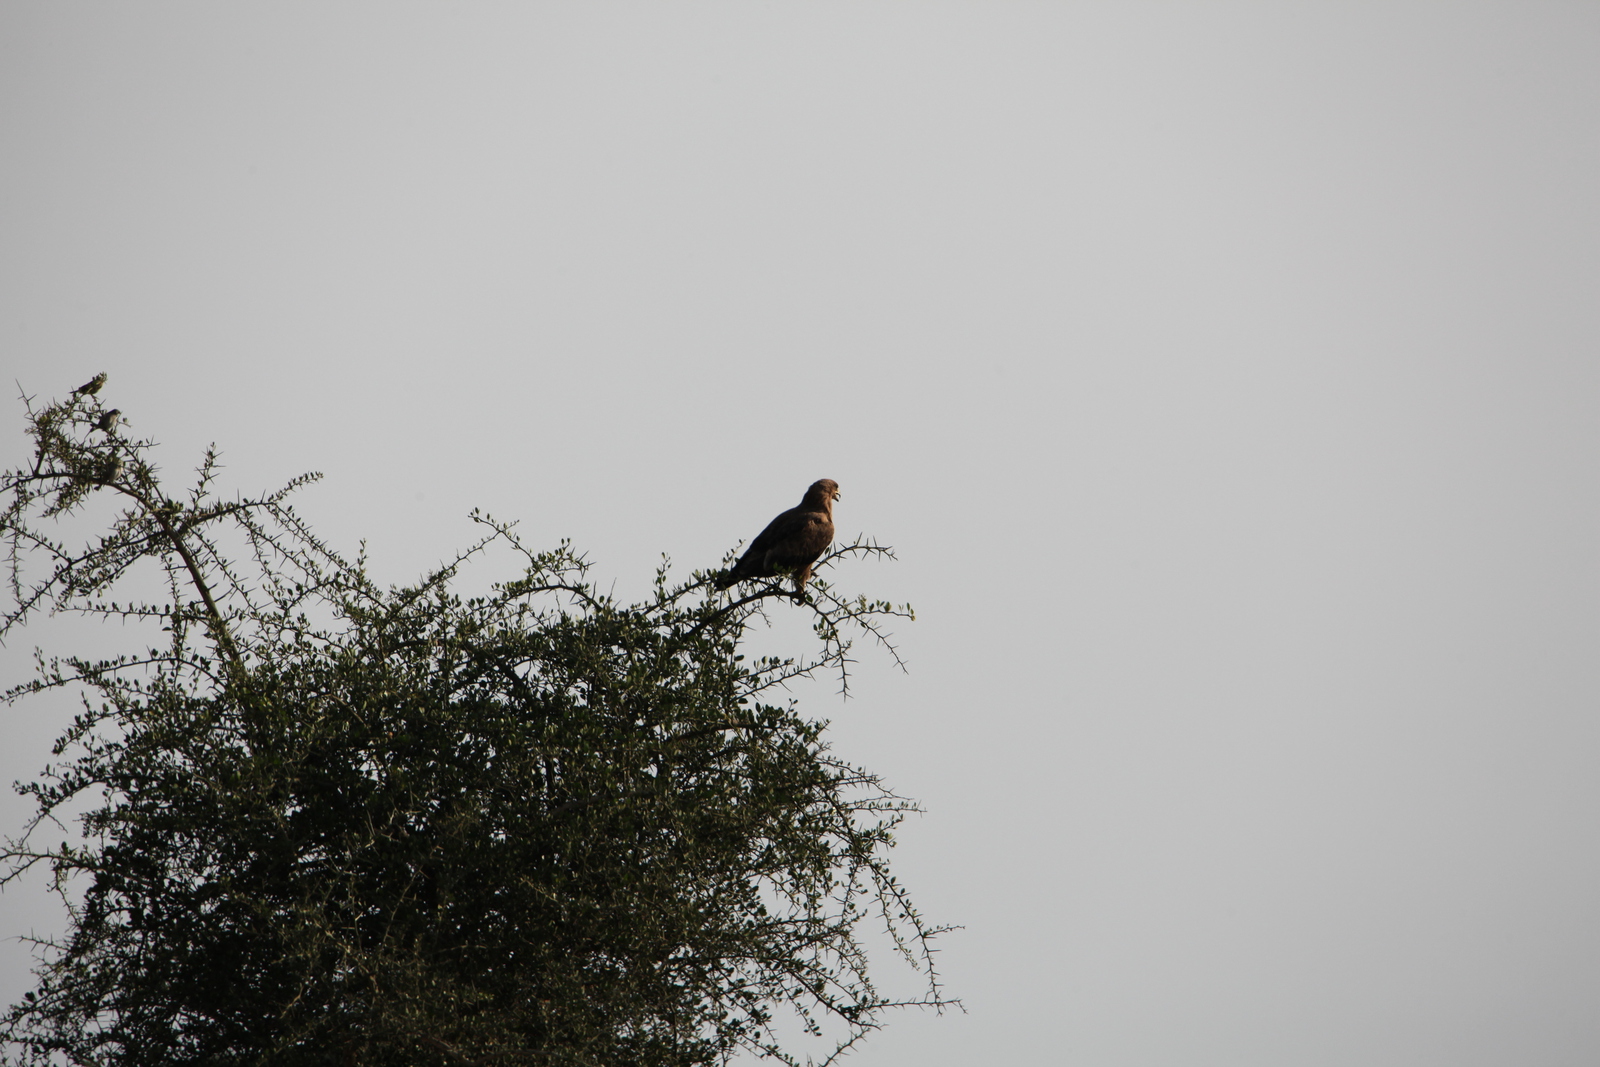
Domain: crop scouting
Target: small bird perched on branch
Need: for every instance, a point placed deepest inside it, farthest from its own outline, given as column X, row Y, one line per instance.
column 90, row 387
column 109, row 420
column 792, row 541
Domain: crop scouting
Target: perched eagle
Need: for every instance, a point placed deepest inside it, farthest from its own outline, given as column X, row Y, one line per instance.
column 792, row 541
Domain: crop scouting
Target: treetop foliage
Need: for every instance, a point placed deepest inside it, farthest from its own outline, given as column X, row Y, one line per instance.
column 324, row 822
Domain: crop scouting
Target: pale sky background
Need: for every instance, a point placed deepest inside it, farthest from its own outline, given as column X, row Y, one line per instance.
column 1227, row 376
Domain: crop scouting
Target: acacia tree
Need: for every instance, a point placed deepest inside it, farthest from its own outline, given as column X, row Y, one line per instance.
column 329, row 823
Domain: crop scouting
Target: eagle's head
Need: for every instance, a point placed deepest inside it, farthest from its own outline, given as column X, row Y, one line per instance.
column 822, row 494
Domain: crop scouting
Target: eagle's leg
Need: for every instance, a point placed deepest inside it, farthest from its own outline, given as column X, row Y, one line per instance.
column 801, row 577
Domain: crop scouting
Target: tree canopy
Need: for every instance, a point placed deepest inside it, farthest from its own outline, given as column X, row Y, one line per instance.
column 324, row 822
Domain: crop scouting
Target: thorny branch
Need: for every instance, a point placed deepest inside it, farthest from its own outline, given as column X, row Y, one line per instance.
column 545, row 640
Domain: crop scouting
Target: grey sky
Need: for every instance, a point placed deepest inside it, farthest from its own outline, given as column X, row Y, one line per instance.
column 1227, row 376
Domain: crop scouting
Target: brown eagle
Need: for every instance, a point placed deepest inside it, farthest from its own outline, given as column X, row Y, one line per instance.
column 792, row 541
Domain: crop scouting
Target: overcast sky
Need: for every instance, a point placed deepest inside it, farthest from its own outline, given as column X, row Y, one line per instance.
column 1226, row 375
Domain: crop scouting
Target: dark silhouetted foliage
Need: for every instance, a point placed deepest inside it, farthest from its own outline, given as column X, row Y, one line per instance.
column 328, row 823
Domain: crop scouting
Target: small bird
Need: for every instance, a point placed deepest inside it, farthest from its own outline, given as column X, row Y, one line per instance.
column 90, row 387
column 109, row 420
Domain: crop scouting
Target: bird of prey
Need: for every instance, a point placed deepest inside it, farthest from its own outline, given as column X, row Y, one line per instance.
column 90, row 387
column 109, row 420
column 791, row 542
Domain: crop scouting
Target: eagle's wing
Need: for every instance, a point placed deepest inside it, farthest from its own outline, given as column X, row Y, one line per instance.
column 802, row 540
column 754, row 563
column 792, row 541
column 778, row 533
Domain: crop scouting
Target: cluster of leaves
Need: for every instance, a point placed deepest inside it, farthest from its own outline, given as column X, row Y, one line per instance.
column 329, row 823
